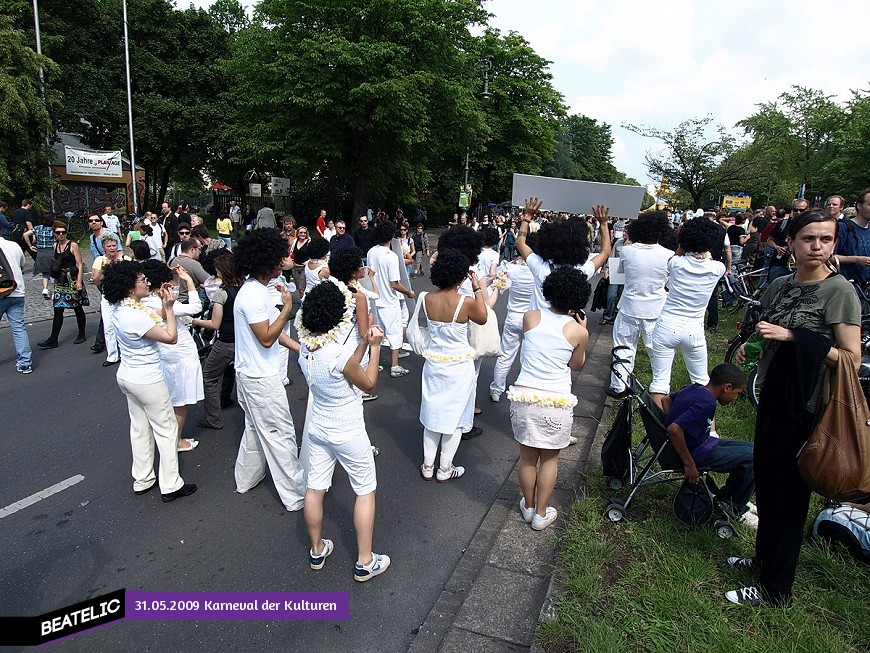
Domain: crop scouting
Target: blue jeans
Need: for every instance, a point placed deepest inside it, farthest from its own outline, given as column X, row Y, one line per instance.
column 775, row 272
column 613, row 292
column 13, row 308
column 734, row 457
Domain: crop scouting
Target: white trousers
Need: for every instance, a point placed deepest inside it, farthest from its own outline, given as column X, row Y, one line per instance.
column 626, row 331
column 152, row 421
column 670, row 335
column 269, row 438
column 107, row 310
column 449, row 445
column 511, row 337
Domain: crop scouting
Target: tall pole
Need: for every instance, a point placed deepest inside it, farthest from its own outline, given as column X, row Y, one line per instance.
column 42, row 89
column 130, row 114
column 466, row 168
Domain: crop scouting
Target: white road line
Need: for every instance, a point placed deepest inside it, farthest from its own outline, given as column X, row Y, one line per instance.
column 12, row 508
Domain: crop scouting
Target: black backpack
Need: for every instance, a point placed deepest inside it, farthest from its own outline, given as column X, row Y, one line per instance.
column 7, row 278
column 616, row 451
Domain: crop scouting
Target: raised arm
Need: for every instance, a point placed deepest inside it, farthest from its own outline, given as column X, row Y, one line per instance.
column 602, row 213
column 531, row 207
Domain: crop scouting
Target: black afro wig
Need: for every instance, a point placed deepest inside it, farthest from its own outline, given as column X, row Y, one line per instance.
column 157, row 273
column 119, row 279
column 463, row 238
column 700, row 235
column 344, row 263
column 567, row 289
column 563, row 243
column 322, row 308
column 450, row 268
column 259, row 252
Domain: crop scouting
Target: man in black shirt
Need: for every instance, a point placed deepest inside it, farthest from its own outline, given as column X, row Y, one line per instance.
column 365, row 235
column 778, row 240
column 23, row 220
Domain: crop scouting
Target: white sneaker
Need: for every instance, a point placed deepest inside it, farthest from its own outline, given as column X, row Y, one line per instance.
column 572, row 440
column 404, row 354
column 398, row 371
column 45, row 293
column 540, row 523
column 752, row 507
column 527, row 513
column 749, row 520
column 377, row 566
column 444, row 475
column 406, row 346
column 495, row 397
column 317, row 560
column 427, row 472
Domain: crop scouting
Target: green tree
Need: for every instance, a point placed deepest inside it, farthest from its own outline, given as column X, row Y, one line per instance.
column 695, row 163
column 846, row 173
column 362, row 94
column 793, row 139
column 584, row 151
column 25, row 122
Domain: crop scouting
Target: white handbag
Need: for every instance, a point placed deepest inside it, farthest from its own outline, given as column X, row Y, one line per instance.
column 418, row 337
column 485, row 338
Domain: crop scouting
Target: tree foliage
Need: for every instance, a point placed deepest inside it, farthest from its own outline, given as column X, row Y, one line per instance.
column 25, row 122
column 695, row 162
column 583, row 151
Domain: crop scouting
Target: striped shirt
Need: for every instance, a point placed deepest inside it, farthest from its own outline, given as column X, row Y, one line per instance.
column 44, row 236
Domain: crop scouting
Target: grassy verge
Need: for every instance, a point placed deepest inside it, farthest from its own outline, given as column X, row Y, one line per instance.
column 652, row 584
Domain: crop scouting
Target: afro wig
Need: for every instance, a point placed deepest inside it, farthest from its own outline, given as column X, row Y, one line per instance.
column 449, row 269
column 259, row 252
column 650, row 229
column 322, row 308
column 119, row 280
column 563, row 243
column 318, row 248
column 700, row 235
column 157, row 273
column 344, row 263
column 567, row 289
column 463, row 238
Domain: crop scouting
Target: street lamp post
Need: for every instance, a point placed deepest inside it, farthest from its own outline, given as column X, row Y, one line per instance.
column 130, row 113
column 42, row 88
column 485, row 97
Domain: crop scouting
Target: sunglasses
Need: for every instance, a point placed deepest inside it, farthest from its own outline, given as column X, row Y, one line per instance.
column 799, row 210
column 60, row 231
column 183, row 233
column 93, row 221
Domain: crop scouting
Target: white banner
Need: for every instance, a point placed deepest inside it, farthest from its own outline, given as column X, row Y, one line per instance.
column 574, row 196
column 255, row 190
column 281, row 186
column 93, row 163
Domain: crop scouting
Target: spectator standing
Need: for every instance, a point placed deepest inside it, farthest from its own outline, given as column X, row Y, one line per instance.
column 235, row 215
column 41, row 240
column 67, row 271
column 106, row 339
column 365, row 235
column 225, row 231
column 111, row 221
column 12, row 306
column 266, row 217
column 853, row 242
column 341, row 239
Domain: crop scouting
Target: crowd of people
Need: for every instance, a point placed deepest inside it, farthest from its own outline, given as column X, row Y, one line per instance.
column 350, row 293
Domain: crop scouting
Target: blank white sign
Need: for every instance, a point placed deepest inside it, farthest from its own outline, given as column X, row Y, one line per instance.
column 572, row 196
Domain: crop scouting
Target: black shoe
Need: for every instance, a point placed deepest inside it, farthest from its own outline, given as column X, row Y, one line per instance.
column 98, row 349
column 473, row 433
column 139, row 493
column 110, row 363
column 47, row 344
column 205, row 425
column 185, row 490
column 79, row 339
column 616, row 394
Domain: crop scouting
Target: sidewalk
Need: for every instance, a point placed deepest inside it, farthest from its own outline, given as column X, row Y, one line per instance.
column 502, row 585
column 38, row 309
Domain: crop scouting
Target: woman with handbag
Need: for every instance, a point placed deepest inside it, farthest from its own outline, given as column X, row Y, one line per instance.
column 69, row 289
column 542, row 406
column 449, row 378
column 808, row 317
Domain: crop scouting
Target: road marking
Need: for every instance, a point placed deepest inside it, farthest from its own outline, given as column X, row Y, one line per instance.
column 12, row 508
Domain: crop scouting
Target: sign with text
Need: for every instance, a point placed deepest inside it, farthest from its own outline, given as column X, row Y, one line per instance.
column 572, row 196
column 741, row 201
column 280, row 186
column 255, row 190
column 92, row 163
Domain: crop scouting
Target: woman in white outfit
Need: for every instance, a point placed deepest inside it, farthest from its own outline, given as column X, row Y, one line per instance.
column 336, row 431
column 317, row 268
column 693, row 275
column 180, row 360
column 112, row 248
column 139, row 330
column 449, row 376
column 542, row 406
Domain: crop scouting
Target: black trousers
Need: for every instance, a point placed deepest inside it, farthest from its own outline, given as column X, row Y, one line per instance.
column 783, row 501
column 57, row 323
column 713, row 309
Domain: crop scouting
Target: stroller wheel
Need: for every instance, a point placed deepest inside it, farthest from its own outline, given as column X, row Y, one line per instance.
column 615, row 512
column 614, row 484
column 724, row 529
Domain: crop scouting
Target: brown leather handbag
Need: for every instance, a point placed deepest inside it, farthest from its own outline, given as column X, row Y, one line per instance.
column 835, row 461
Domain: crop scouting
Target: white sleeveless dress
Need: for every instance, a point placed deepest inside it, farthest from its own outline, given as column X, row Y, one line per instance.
column 449, row 379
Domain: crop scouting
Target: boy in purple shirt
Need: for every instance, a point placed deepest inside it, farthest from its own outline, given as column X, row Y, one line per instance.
column 689, row 421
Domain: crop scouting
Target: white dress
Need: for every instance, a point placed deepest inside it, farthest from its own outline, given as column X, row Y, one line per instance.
column 182, row 370
column 312, row 277
column 449, row 378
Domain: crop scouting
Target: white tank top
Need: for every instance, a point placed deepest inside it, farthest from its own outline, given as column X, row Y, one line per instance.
column 545, row 354
column 312, row 277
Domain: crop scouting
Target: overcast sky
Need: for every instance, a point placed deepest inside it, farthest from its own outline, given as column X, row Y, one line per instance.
column 657, row 63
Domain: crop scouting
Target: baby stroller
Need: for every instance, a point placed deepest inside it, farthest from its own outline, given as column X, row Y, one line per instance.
column 654, row 461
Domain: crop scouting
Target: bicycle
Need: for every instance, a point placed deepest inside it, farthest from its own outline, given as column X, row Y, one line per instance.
column 76, row 225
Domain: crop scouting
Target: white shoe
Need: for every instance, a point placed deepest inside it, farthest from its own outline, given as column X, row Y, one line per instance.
column 398, row 371
column 540, row 523
column 752, row 507
column 193, row 445
column 572, row 440
column 444, row 475
column 406, row 346
column 495, row 397
column 404, row 354
column 527, row 513
column 749, row 520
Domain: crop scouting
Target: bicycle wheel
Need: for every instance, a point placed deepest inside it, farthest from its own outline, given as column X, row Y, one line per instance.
column 77, row 228
column 733, row 346
column 753, row 387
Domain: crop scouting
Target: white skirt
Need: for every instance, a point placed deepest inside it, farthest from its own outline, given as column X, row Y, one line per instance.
column 448, row 396
column 182, row 371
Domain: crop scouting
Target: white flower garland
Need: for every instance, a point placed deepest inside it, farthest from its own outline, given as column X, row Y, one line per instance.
column 449, row 358
column 541, row 397
column 500, row 280
column 150, row 312
column 315, row 341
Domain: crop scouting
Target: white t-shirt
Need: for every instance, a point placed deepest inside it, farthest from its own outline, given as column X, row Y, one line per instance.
column 255, row 303
column 691, row 283
column 140, row 356
column 113, row 223
column 15, row 256
column 522, row 287
column 328, row 233
column 541, row 270
column 646, row 273
column 385, row 263
column 488, row 257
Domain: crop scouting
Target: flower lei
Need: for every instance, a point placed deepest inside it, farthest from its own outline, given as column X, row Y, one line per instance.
column 145, row 309
column 316, row 341
column 541, row 397
column 500, row 280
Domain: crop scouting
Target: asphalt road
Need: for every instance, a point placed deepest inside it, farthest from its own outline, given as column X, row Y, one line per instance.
column 70, row 418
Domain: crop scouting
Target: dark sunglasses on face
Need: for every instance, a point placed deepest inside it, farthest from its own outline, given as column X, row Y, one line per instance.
column 97, row 220
column 60, row 231
column 798, row 210
column 183, row 233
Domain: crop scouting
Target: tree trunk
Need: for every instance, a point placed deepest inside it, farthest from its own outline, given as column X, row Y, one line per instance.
column 164, row 181
column 360, row 200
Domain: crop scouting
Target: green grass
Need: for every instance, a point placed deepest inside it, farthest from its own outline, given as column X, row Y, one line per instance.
column 651, row 584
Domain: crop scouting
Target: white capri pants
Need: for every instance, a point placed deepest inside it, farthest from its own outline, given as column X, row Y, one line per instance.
column 688, row 337
column 511, row 337
column 107, row 310
column 626, row 331
column 269, row 438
